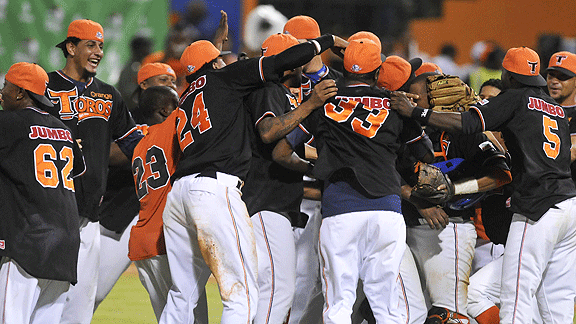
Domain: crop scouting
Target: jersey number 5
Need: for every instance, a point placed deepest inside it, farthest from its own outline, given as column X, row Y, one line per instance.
column 156, row 161
column 552, row 147
column 46, row 171
column 200, row 120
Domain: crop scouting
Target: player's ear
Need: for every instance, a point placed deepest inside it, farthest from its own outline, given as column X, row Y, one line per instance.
column 20, row 94
column 71, row 48
column 376, row 75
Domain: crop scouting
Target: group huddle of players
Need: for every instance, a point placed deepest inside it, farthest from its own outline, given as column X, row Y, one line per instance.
column 292, row 184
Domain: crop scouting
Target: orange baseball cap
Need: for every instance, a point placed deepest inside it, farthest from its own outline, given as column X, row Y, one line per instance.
column 564, row 62
column 197, row 54
column 84, row 29
column 523, row 64
column 428, row 67
column 153, row 69
column 366, row 34
column 362, row 56
column 302, row 27
column 31, row 77
column 396, row 72
column 277, row 43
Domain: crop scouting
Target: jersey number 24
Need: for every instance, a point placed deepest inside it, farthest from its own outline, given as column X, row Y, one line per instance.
column 199, row 120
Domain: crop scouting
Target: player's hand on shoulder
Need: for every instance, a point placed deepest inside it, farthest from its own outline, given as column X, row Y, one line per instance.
column 322, row 91
column 403, row 102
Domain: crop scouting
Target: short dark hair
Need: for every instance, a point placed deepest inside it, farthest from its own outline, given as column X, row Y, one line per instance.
column 62, row 45
column 362, row 77
column 155, row 97
column 422, row 77
column 496, row 83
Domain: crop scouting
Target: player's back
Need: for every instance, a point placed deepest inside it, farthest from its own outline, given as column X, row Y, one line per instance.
column 154, row 160
column 211, row 121
column 37, row 192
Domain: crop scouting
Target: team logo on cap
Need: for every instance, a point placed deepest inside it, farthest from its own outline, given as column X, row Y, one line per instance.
column 533, row 66
column 560, row 58
column 191, row 68
column 169, row 70
column 356, row 68
column 264, row 49
column 99, row 35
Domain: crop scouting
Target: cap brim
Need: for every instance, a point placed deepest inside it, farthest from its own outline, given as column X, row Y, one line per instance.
column 562, row 70
column 415, row 64
column 531, row 80
column 382, row 57
column 61, row 44
column 42, row 99
column 222, row 53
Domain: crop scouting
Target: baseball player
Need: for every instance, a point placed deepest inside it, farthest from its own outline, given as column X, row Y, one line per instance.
column 485, row 286
column 443, row 242
column 539, row 256
column 428, row 67
column 154, row 160
column 272, row 214
column 205, row 219
column 362, row 235
column 39, row 238
column 96, row 114
column 119, row 208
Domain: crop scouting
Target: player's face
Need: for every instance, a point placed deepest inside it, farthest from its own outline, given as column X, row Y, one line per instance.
column 87, row 55
column 159, row 80
column 419, row 88
column 488, row 92
column 163, row 112
column 8, row 96
column 560, row 86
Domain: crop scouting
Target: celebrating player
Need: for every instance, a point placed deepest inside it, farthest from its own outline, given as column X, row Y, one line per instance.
column 205, row 219
column 96, row 114
column 273, row 215
column 39, row 238
column 540, row 256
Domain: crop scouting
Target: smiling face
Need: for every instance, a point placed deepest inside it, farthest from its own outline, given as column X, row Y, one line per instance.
column 561, row 87
column 84, row 59
column 488, row 92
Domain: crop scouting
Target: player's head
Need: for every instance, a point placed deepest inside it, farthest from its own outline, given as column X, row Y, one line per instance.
column 396, row 73
column 276, row 44
column 561, row 77
column 198, row 56
column 418, row 86
column 156, row 74
column 366, row 34
column 157, row 103
column 362, row 61
column 83, row 46
column 24, row 85
column 428, row 67
column 302, row 27
column 521, row 67
column 490, row 88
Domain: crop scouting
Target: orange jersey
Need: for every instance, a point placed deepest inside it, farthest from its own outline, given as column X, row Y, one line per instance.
column 153, row 162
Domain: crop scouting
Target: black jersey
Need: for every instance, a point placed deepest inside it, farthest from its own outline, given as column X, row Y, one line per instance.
column 39, row 223
column 536, row 132
column 478, row 153
column 269, row 186
column 97, row 116
column 357, row 133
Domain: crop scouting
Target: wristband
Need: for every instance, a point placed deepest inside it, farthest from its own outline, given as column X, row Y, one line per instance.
column 323, row 43
column 421, row 115
column 318, row 75
column 466, row 187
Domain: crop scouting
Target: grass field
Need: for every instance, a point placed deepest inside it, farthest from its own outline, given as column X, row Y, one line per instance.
column 128, row 302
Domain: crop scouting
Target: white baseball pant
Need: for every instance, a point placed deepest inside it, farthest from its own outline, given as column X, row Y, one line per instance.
column 444, row 259
column 154, row 274
column 540, row 259
column 484, row 253
column 276, row 266
column 113, row 259
column 484, row 290
column 26, row 299
column 80, row 299
column 366, row 245
column 308, row 299
column 207, row 230
column 412, row 302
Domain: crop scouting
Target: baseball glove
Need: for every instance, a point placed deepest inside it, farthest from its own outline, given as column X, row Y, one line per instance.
column 430, row 178
column 449, row 93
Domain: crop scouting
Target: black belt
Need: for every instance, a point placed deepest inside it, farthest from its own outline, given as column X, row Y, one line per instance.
column 212, row 174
